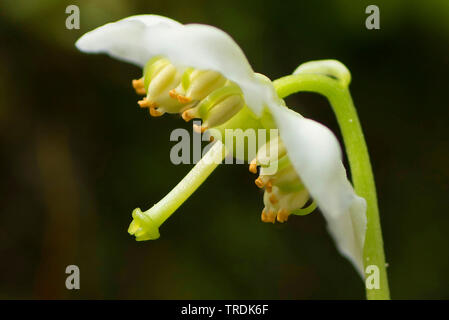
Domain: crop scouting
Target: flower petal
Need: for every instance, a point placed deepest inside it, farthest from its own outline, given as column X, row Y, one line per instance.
column 137, row 39
column 315, row 153
column 208, row 48
column 124, row 39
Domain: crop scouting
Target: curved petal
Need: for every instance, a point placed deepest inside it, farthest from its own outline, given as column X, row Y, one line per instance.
column 209, row 48
column 136, row 39
column 124, row 39
column 315, row 153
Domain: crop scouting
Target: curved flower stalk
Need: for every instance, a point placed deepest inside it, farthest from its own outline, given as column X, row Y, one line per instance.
column 199, row 71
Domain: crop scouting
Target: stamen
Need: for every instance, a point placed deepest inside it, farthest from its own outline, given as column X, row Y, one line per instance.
column 187, row 115
column 155, row 113
column 139, row 86
column 182, row 99
column 253, row 166
column 270, row 216
column 259, row 182
column 282, row 215
column 199, row 129
column 263, row 216
column 145, row 103
column 172, row 93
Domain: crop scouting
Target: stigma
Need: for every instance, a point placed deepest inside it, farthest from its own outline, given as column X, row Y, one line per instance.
column 194, row 94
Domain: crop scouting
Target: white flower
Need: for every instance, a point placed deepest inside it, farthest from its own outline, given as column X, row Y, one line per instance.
column 312, row 148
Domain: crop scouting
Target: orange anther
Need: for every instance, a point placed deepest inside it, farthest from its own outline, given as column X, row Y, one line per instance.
column 187, row 116
column 183, row 99
column 282, row 215
column 253, row 166
column 172, row 93
column 259, row 182
column 155, row 113
column 139, row 86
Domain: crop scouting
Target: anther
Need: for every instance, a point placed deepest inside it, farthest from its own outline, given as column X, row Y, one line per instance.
column 145, row 103
column 199, row 129
column 253, row 166
column 183, row 99
column 282, row 215
column 179, row 97
column 172, row 93
column 268, row 217
column 271, row 216
column 263, row 216
column 154, row 112
column 187, row 116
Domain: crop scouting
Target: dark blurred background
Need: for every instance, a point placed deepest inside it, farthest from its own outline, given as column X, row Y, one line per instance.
column 78, row 155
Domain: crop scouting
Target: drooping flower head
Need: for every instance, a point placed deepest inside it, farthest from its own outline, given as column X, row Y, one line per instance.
column 200, row 72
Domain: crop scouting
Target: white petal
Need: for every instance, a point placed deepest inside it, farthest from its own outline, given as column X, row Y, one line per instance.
column 209, row 48
column 315, row 153
column 137, row 39
column 124, row 39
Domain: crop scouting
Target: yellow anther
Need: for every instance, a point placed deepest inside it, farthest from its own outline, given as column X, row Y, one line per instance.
column 282, row 215
column 253, row 166
column 182, row 99
column 187, row 115
column 263, row 216
column 259, row 182
column 173, row 94
column 269, row 216
column 145, row 103
column 154, row 112
column 139, row 86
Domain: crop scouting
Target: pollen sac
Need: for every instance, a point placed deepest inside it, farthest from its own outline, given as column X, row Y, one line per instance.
column 160, row 76
column 284, row 191
column 197, row 85
column 217, row 107
column 279, row 205
column 201, row 94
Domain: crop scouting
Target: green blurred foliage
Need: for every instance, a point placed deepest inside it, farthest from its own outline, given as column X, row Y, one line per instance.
column 78, row 155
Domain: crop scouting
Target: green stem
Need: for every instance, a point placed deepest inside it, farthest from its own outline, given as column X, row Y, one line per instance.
column 340, row 99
